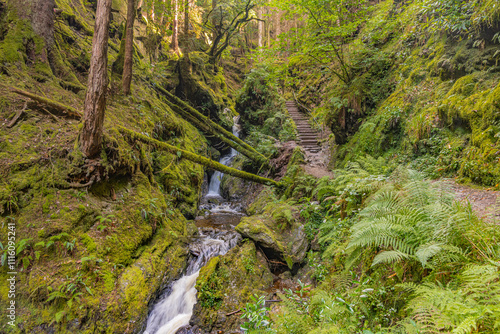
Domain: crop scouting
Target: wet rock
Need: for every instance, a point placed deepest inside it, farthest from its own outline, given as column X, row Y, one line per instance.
column 278, row 232
column 285, row 275
column 225, row 285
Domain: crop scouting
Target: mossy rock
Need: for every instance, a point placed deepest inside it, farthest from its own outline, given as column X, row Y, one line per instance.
column 278, row 232
column 225, row 284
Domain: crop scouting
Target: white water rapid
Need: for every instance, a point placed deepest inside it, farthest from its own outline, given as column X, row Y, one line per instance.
column 214, row 186
column 174, row 310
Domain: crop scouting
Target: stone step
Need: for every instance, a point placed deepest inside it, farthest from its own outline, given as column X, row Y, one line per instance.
column 308, row 137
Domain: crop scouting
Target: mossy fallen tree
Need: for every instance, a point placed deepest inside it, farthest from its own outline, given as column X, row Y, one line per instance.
column 203, row 126
column 197, row 158
column 212, row 127
column 64, row 109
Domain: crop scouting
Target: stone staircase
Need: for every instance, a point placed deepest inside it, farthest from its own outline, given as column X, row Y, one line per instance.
column 308, row 137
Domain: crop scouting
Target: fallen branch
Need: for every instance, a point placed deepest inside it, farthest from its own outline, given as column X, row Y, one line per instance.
column 216, row 129
column 17, row 116
column 234, row 312
column 197, row 158
column 69, row 111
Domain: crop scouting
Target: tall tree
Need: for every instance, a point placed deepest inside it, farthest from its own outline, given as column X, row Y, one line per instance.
column 260, row 25
column 95, row 99
column 175, row 27
column 129, row 47
column 224, row 20
column 186, row 18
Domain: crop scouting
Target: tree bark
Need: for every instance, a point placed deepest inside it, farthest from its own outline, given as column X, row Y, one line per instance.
column 260, row 27
column 186, row 19
column 129, row 47
column 175, row 28
column 95, row 99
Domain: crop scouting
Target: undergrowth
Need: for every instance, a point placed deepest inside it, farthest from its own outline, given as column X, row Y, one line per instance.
column 398, row 255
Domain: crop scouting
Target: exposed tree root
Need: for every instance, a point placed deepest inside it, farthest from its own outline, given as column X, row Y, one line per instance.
column 198, row 158
column 64, row 109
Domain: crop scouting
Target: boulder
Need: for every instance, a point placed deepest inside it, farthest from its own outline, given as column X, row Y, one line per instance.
column 278, row 232
column 225, row 285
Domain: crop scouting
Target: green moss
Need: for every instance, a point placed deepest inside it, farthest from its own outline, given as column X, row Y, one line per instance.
column 226, row 283
column 88, row 242
column 210, row 285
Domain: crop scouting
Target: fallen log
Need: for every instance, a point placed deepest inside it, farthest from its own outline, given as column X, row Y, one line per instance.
column 216, row 127
column 203, row 126
column 197, row 158
column 69, row 111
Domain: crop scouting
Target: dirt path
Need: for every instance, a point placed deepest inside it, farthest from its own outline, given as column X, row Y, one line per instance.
column 486, row 203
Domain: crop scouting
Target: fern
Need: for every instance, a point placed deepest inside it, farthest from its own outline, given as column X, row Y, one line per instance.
column 419, row 223
column 472, row 301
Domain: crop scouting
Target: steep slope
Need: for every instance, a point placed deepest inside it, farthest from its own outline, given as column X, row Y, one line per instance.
column 91, row 256
column 422, row 93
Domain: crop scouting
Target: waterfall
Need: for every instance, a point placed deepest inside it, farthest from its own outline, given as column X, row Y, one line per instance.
column 175, row 307
column 174, row 310
column 214, row 186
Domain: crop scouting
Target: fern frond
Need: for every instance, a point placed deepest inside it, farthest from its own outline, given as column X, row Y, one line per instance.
column 389, row 257
column 426, row 251
column 466, row 326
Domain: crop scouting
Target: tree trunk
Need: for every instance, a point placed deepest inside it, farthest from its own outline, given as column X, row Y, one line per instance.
column 129, row 47
column 43, row 20
column 261, row 27
column 41, row 15
column 207, row 125
column 95, row 99
column 268, row 24
column 277, row 24
column 175, row 28
column 186, row 19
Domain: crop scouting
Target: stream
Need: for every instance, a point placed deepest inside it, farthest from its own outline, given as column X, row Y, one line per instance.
column 217, row 236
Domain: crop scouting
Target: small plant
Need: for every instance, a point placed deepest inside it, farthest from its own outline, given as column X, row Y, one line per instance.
column 150, row 214
column 70, row 292
column 56, row 242
column 25, row 252
column 90, row 262
column 256, row 313
column 104, row 222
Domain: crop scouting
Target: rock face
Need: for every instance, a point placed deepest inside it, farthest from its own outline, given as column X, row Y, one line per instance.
column 225, row 284
column 278, row 232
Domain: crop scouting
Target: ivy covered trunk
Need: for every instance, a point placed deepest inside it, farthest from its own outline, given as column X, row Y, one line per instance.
column 95, row 99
